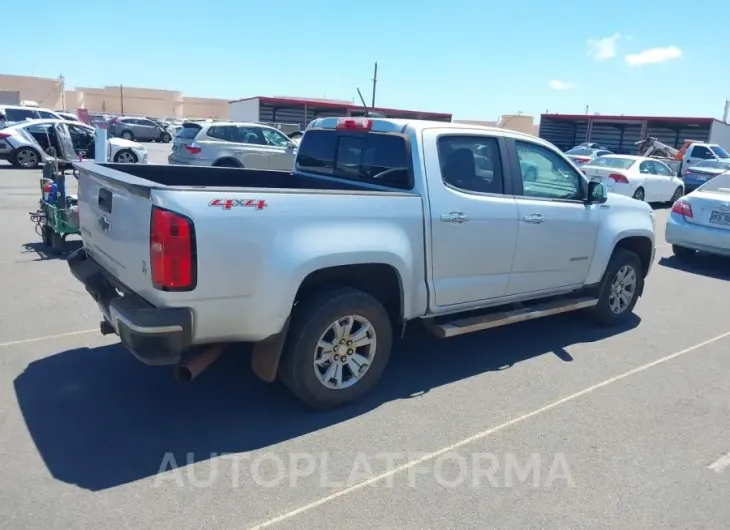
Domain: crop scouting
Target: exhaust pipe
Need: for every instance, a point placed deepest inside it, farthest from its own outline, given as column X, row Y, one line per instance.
column 186, row 371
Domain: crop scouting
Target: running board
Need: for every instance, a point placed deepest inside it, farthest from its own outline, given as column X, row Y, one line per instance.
column 521, row 314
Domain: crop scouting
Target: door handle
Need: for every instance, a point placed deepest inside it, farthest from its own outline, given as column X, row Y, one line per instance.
column 534, row 218
column 454, row 217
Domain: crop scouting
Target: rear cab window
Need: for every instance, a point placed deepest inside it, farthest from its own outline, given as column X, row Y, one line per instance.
column 370, row 157
column 612, row 162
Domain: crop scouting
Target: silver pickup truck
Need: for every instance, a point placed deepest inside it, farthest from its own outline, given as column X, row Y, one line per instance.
column 380, row 223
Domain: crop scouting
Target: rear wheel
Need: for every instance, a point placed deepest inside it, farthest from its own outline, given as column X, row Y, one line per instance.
column 337, row 347
column 227, row 163
column 165, row 138
column 677, row 195
column 27, row 158
column 683, row 253
column 619, row 290
column 639, row 194
column 127, row 135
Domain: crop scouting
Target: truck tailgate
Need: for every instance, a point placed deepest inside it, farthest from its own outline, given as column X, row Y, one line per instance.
column 114, row 217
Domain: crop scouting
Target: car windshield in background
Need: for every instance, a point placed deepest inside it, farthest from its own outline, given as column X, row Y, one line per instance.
column 370, row 157
column 719, row 184
column 21, row 114
column 713, row 164
column 612, row 162
column 719, row 151
column 580, row 151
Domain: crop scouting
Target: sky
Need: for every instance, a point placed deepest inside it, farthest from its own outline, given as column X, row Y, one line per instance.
column 475, row 59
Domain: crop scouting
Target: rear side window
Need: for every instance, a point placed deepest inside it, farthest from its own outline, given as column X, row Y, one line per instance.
column 188, row 133
column 612, row 162
column 365, row 157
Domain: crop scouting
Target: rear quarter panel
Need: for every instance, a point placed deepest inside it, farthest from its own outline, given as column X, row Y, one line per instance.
column 252, row 261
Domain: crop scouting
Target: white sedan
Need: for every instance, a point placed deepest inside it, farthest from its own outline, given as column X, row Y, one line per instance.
column 26, row 145
column 644, row 179
column 701, row 220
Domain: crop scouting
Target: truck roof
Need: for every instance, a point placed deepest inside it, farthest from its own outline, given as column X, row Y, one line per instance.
column 393, row 125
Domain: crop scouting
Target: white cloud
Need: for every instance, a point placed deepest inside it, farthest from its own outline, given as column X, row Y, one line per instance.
column 560, row 85
column 653, row 56
column 602, row 49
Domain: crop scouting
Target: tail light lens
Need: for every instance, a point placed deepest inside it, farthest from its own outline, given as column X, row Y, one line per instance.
column 683, row 208
column 618, row 178
column 172, row 251
column 4, row 135
column 354, row 124
column 192, row 148
column 115, row 121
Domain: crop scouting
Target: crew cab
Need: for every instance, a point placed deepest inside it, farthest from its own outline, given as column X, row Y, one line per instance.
column 381, row 223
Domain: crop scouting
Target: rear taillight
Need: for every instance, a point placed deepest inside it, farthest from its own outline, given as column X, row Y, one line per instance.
column 683, row 208
column 4, row 135
column 115, row 121
column 172, row 251
column 619, row 178
column 192, row 148
column 354, row 124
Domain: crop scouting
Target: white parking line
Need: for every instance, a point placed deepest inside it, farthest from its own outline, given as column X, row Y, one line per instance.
column 479, row 436
column 47, row 337
column 719, row 465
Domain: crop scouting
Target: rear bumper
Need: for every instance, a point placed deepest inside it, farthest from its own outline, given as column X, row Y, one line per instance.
column 155, row 336
column 697, row 237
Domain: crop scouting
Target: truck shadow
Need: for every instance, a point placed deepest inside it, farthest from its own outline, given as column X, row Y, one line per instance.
column 38, row 251
column 100, row 419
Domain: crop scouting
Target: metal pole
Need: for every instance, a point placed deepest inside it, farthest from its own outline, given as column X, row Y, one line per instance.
column 100, row 143
column 375, row 83
column 121, row 98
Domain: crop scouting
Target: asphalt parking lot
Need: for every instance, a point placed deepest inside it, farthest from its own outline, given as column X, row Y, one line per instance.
column 549, row 424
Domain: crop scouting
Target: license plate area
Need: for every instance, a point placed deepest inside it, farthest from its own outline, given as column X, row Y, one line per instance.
column 720, row 218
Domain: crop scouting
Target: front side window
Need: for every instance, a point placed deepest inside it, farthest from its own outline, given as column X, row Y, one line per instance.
column 21, row 114
column 719, row 151
column 646, row 167
column 661, row 169
column 275, row 138
column 250, row 135
column 47, row 115
column 471, row 163
column 700, row 151
column 546, row 175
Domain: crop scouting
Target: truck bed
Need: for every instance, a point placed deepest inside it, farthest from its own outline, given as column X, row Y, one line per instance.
column 197, row 176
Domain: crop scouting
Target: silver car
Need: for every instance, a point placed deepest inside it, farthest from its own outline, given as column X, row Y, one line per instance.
column 27, row 145
column 700, row 221
column 232, row 144
column 139, row 129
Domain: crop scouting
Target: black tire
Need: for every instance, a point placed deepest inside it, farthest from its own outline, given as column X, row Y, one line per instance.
column 27, row 158
column 678, row 193
column 165, row 138
column 310, row 319
column 127, row 135
column 683, row 253
column 602, row 312
column 639, row 194
column 46, row 235
column 118, row 157
column 57, row 243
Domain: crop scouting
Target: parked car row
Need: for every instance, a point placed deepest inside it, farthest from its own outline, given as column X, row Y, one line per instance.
column 29, row 144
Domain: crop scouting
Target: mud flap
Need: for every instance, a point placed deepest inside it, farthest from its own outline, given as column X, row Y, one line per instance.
column 267, row 353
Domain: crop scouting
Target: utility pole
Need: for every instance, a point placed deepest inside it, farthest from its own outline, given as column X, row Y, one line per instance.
column 62, row 82
column 587, row 107
column 121, row 98
column 375, row 83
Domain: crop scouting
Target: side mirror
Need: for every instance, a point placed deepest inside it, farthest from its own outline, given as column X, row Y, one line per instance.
column 597, row 193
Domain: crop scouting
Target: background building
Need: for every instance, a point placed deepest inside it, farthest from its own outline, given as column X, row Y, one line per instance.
column 301, row 111
column 51, row 93
column 620, row 133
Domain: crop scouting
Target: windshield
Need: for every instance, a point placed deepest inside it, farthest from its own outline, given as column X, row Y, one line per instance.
column 719, row 151
column 580, row 151
column 612, row 162
column 719, row 184
column 713, row 164
column 21, row 114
